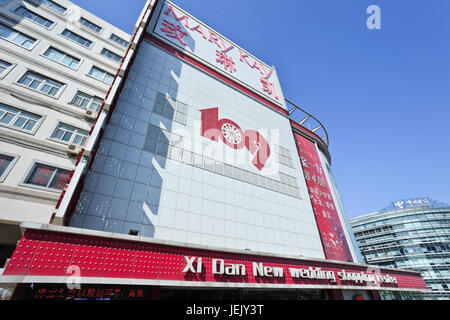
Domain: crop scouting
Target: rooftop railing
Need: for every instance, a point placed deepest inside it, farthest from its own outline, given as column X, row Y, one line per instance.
column 308, row 121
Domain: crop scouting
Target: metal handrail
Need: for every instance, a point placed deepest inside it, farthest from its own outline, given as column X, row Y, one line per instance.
column 307, row 120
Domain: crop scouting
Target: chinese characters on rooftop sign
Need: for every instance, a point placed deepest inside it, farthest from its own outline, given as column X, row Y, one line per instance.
column 412, row 203
column 187, row 33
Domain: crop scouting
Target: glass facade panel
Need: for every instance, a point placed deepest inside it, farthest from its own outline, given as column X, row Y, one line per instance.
column 412, row 238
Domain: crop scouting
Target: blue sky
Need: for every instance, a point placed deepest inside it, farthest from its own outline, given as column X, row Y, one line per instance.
column 383, row 95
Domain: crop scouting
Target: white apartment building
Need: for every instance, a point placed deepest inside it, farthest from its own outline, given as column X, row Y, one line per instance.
column 57, row 63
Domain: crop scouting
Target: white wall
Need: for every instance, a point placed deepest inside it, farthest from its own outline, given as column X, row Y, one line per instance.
column 193, row 205
column 19, row 202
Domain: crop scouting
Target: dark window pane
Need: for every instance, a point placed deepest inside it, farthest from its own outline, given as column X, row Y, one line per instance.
column 41, row 176
column 4, row 163
column 60, row 179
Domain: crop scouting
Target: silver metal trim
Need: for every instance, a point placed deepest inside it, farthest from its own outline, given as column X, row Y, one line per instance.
column 316, row 124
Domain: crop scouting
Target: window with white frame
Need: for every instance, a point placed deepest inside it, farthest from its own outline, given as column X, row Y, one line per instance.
column 86, row 101
column 4, row 67
column 18, row 119
column 48, row 177
column 101, row 75
column 62, row 57
column 90, row 25
column 111, row 55
column 16, row 37
column 6, row 163
column 52, row 5
column 119, row 40
column 70, row 135
column 40, row 83
column 24, row 12
column 77, row 38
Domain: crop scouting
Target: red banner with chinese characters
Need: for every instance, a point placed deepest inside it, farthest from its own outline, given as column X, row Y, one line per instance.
column 331, row 232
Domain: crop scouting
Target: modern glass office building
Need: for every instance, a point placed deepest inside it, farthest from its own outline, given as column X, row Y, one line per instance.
column 413, row 235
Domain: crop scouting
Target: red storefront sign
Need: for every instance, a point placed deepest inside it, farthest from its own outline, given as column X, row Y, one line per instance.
column 330, row 228
column 57, row 254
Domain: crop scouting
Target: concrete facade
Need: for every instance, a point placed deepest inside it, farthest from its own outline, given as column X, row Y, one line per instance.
column 48, row 50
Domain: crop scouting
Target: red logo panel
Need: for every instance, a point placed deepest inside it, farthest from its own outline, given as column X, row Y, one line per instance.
column 233, row 136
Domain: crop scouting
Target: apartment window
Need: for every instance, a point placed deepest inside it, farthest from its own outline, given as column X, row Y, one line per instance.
column 52, row 5
column 6, row 163
column 77, row 38
column 18, row 119
column 63, row 58
column 40, row 83
column 101, row 75
column 16, row 37
column 48, row 177
column 119, row 40
column 69, row 134
column 86, row 101
column 90, row 25
column 4, row 68
column 111, row 55
column 24, row 12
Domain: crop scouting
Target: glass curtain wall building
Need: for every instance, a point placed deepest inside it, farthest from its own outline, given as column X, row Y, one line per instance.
column 409, row 234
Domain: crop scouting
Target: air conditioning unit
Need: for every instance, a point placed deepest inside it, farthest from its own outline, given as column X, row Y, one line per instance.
column 90, row 115
column 73, row 149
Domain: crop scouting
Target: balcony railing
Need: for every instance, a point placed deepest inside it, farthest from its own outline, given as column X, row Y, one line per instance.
column 308, row 121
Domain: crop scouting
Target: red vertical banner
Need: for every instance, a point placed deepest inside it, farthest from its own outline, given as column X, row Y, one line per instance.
column 327, row 218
